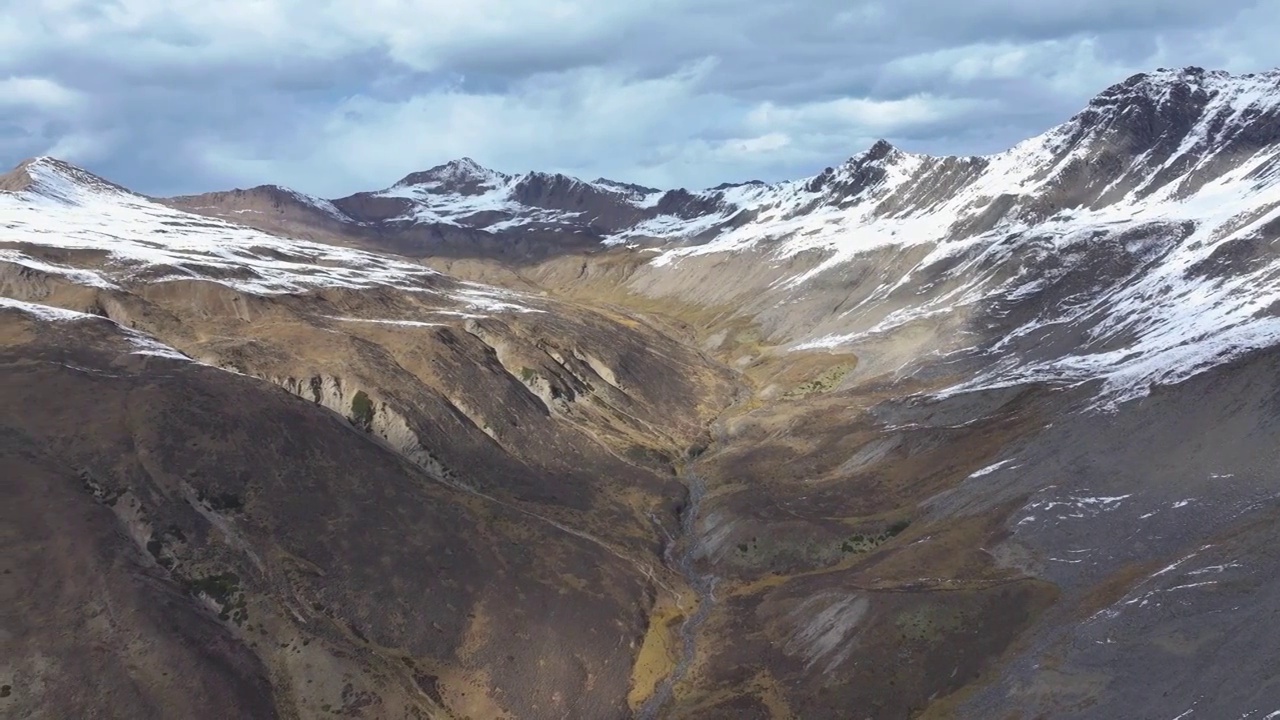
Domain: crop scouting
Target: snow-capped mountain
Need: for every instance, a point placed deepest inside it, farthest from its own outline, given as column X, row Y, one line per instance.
column 461, row 193
column 1143, row 149
column 63, row 226
column 1151, row 140
column 1142, row 227
column 963, row 436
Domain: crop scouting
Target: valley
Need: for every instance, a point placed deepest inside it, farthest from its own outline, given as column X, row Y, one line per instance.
column 917, row 437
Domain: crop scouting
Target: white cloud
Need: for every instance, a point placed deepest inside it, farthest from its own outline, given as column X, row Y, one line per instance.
column 336, row 96
column 859, row 114
column 37, row 93
column 580, row 117
column 419, row 34
column 672, row 130
column 81, row 146
column 748, row 147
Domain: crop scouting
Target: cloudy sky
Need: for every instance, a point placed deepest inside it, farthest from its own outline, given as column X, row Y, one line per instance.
column 334, row 96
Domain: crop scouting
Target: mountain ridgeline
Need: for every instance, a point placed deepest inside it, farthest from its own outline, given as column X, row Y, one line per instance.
column 915, row 437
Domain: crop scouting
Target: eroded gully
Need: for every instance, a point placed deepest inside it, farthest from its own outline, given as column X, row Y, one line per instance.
column 681, row 555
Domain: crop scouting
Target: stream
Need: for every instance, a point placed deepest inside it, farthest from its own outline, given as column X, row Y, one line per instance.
column 680, row 555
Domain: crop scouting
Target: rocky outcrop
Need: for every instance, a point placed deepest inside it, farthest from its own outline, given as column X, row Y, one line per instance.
column 366, row 412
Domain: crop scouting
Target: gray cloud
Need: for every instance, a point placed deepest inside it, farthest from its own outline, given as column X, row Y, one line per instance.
column 335, row 96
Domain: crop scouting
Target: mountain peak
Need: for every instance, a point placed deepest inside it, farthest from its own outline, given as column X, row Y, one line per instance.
column 1165, row 84
column 1158, row 114
column 57, row 179
column 625, row 186
column 880, row 150
column 463, row 165
column 462, row 175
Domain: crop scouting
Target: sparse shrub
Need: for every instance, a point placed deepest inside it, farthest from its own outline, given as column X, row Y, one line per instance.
column 648, row 457
column 823, row 383
column 224, row 590
column 226, row 502
column 219, row 588
column 362, row 411
column 222, row 501
column 861, row 543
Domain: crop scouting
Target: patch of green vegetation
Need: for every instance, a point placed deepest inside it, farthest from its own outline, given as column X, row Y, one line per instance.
column 823, row 383
column 859, row 544
column 648, row 457
column 786, row 553
column 220, row 501
column 527, row 374
column 226, row 501
column 430, row 684
column 160, row 550
column 362, row 411
column 865, row 543
column 156, row 547
column 749, row 337
column 224, row 590
column 219, row 587
column 928, row 623
column 101, row 493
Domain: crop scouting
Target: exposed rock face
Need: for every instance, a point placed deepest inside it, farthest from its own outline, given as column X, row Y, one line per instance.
column 914, row 437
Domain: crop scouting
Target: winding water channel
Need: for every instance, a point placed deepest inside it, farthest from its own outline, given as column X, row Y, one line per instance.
column 681, row 555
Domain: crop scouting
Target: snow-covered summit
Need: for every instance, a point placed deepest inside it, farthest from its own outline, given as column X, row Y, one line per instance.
column 463, row 176
column 53, row 179
column 60, row 206
column 1166, row 186
column 1171, row 131
column 463, row 193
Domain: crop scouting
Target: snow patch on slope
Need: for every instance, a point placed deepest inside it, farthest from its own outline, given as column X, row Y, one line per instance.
column 1175, row 316
column 42, row 312
column 320, row 204
column 143, row 344
column 68, row 209
column 74, row 275
column 66, row 213
column 462, row 193
column 1172, row 321
column 793, row 215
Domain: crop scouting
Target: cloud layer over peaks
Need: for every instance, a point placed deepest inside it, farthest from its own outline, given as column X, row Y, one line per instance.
column 335, row 96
